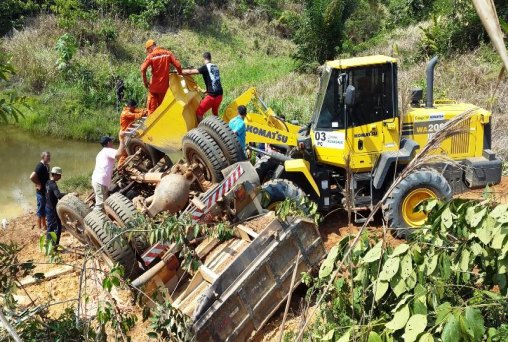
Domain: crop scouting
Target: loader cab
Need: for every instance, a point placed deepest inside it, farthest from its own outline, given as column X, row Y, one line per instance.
column 356, row 111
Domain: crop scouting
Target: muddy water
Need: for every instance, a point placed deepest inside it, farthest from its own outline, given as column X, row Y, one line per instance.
column 19, row 153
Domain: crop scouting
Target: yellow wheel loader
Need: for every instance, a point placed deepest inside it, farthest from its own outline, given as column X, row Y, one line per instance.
column 357, row 134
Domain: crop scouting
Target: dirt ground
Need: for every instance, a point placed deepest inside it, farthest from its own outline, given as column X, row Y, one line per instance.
column 64, row 289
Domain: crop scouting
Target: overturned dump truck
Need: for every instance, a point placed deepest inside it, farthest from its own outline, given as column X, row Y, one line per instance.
column 240, row 282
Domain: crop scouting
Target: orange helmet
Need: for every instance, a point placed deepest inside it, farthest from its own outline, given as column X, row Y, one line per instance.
column 149, row 43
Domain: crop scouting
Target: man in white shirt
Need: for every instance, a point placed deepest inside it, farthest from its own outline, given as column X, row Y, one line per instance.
column 103, row 172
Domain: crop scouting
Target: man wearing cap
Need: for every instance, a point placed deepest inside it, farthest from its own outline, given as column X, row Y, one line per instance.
column 53, row 194
column 159, row 60
column 103, row 171
column 211, row 77
column 129, row 114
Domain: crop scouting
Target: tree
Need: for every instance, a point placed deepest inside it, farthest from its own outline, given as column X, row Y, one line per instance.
column 322, row 31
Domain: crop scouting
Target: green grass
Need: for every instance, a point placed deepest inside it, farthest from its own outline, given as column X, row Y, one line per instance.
column 80, row 184
column 80, row 103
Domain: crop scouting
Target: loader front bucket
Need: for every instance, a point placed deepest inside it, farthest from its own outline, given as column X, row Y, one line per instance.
column 166, row 126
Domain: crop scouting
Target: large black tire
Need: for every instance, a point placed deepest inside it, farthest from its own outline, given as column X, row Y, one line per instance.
column 278, row 190
column 121, row 210
column 265, row 167
column 117, row 251
column 72, row 211
column 199, row 147
column 398, row 209
column 224, row 137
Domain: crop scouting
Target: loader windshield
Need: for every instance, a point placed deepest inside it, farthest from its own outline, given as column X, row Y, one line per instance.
column 375, row 96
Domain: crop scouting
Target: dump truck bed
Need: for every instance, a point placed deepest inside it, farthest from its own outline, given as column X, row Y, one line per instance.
column 244, row 280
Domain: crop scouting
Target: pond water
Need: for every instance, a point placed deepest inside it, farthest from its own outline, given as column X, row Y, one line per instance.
column 20, row 152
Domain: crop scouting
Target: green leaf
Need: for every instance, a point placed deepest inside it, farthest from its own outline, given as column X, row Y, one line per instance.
column 390, row 268
column 415, row 326
column 499, row 211
column 420, row 306
column 447, row 218
column 473, row 217
column 328, row 265
column 410, row 280
column 427, row 337
column 374, row 253
column 399, row 319
column 484, row 232
column 498, row 239
column 381, row 288
column 474, row 320
column 432, row 264
column 445, row 266
column 502, row 266
column 406, row 266
column 464, row 260
column 328, row 336
column 400, row 249
column 374, row 337
column 476, row 249
column 442, row 312
column 398, row 285
column 451, row 330
column 345, row 337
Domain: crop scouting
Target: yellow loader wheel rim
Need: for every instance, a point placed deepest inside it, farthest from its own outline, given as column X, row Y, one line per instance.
column 411, row 201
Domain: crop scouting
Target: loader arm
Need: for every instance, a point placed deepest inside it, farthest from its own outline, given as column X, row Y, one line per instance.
column 263, row 125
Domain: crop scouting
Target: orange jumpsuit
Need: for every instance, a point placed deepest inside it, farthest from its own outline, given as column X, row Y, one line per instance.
column 159, row 60
column 126, row 118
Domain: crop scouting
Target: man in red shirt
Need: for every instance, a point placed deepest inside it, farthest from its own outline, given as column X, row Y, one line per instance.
column 159, row 60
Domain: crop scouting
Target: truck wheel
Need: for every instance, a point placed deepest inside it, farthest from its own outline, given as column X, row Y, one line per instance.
column 199, row 147
column 117, row 251
column 72, row 211
column 135, row 144
column 121, row 210
column 277, row 190
column 224, row 137
column 265, row 167
column 398, row 209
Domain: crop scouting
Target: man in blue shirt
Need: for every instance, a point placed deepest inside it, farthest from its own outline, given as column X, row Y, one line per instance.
column 237, row 125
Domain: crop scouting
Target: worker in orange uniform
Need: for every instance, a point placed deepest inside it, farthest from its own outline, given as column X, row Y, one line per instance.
column 159, row 60
column 129, row 114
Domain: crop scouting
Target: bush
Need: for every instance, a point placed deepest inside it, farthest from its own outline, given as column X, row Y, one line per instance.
column 367, row 21
column 456, row 27
column 405, row 12
column 322, row 31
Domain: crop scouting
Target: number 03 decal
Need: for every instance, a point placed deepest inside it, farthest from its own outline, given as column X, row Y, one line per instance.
column 320, row 136
column 330, row 139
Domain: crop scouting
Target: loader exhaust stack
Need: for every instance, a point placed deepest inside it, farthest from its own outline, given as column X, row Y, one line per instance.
column 430, row 82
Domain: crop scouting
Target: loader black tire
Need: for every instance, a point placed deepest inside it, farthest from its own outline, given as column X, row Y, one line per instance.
column 199, row 147
column 121, row 210
column 224, row 137
column 72, row 211
column 398, row 209
column 277, row 190
column 265, row 167
column 118, row 251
